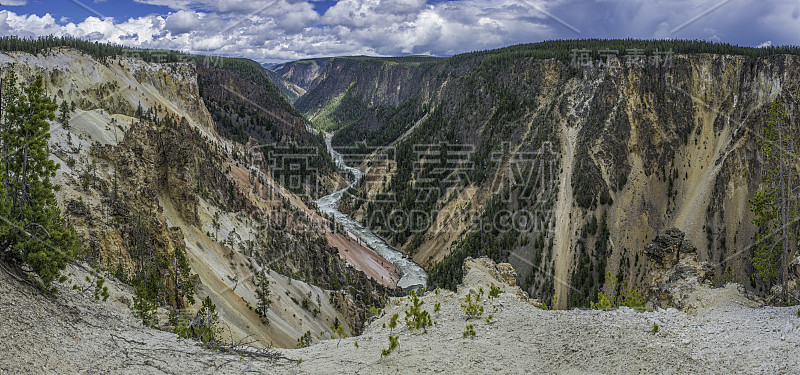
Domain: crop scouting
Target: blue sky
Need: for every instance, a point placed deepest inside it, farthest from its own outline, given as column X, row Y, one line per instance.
column 282, row 30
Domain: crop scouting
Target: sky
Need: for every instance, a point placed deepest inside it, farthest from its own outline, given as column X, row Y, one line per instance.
column 283, row 30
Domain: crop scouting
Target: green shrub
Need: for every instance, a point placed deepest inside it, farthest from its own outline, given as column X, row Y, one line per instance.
column 552, row 305
column 627, row 296
column 469, row 331
column 393, row 321
column 97, row 283
column 204, row 327
column 393, row 344
column 494, row 292
column 100, row 290
column 179, row 321
column 472, row 308
column 144, row 307
column 338, row 330
column 304, row 341
column 416, row 317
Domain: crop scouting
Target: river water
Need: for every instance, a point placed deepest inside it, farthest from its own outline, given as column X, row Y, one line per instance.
column 412, row 273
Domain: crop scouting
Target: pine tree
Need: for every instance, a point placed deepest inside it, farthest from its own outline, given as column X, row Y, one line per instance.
column 776, row 206
column 205, row 325
column 139, row 111
column 262, row 295
column 63, row 115
column 182, row 274
column 34, row 237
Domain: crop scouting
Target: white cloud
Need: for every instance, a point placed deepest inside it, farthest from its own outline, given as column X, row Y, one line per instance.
column 224, row 6
column 182, row 22
column 445, row 28
column 13, row 3
column 278, row 30
column 174, row 4
column 27, row 25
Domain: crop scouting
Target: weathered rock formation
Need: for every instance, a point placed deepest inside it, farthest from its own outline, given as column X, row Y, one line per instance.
column 675, row 271
column 485, row 273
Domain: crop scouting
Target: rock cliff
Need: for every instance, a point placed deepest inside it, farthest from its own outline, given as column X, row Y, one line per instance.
column 588, row 162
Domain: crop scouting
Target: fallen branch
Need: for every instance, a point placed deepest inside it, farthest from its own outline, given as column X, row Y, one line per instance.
column 17, row 277
column 250, row 351
column 128, row 340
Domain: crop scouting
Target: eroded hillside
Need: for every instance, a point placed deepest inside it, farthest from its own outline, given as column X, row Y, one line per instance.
column 565, row 171
column 148, row 173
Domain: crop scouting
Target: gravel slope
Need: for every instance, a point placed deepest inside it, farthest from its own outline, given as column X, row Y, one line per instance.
column 72, row 334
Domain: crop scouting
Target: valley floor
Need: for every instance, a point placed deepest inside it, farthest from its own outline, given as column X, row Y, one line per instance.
column 70, row 333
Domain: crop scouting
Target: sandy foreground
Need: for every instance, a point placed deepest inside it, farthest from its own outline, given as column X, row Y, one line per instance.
column 71, row 333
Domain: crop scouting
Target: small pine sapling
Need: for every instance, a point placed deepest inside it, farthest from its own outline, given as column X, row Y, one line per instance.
column 416, row 317
column 338, row 330
column 472, row 308
column 393, row 322
column 393, row 344
column 304, row 341
column 469, row 332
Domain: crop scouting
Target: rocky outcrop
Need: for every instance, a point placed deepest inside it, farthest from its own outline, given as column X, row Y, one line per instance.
column 667, row 247
column 484, row 273
column 508, row 273
column 776, row 295
column 675, row 270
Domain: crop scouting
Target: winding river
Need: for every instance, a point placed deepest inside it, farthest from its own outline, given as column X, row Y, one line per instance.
column 411, row 273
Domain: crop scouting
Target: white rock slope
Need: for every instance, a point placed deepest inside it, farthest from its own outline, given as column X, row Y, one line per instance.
column 71, row 334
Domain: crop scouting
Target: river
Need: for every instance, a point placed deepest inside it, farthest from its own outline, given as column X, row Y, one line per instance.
column 411, row 273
